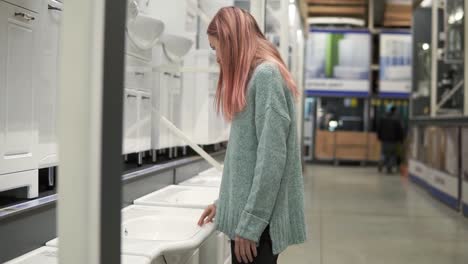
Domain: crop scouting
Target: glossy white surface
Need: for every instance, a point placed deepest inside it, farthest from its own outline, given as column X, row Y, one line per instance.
column 150, row 228
column 211, row 172
column 46, row 96
column 215, row 249
column 18, row 130
column 201, row 119
column 144, row 31
column 181, row 196
column 206, row 181
column 130, row 132
column 137, row 105
column 143, row 227
column 138, row 74
column 49, row 255
column 144, row 121
column 18, row 123
column 176, row 47
column 167, row 92
column 32, row 5
column 29, row 179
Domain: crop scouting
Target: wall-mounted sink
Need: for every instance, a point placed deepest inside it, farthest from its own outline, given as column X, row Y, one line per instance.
column 176, row 47
column 151, row 232
column 149, row 228
column 49, row 255
column 144, row 31
column 211, row 172
column 181, row 196
column 207, row 181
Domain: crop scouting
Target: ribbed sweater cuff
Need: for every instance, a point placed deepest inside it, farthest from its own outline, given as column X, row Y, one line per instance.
column 250, row 226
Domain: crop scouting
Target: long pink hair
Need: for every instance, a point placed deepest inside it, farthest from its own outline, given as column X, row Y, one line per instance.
column 242, row 46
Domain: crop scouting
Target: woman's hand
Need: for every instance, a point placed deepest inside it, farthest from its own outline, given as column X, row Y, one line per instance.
column 245, row 250
column 208, row 215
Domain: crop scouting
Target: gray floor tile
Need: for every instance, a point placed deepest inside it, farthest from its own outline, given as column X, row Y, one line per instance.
column 356, row 215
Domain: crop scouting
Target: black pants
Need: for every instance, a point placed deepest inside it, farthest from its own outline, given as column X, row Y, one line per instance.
column 389, row 155
column 264, row 250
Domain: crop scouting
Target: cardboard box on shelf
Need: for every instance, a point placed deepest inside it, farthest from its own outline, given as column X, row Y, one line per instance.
column 397, row 15
column 358, row 153
column 450, row 159
column 374, row 147
column 351, row 138
column 324, row 145
column 435, row 147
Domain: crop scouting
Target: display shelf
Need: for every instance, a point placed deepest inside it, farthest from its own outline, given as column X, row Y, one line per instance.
column 457, row 120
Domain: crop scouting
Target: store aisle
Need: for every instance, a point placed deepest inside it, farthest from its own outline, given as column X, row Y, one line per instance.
column 357, row 216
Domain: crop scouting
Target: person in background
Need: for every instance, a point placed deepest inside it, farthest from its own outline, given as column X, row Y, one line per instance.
column 261, row 201
column 390, row 133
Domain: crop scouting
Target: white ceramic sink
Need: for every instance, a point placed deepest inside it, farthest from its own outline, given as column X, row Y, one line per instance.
column 144, row 31
column 175, row 46
column 48, row 255
column 181, row 196
column 211, row 172
column 150, row 228
column 151, row 231
column 207, row 181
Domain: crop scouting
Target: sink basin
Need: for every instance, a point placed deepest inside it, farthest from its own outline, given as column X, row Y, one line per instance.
column 48, row 255
column 207, row 181
column 132, row 10
column 144, row 31
column 213, row 172
column 176, row 47
column 151, row 232
column 149, row 228
column 181, row 196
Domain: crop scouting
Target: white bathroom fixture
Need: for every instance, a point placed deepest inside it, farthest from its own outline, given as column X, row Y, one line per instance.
column 19, row 41
column 203, row 181
column 208, row 178
column 46, row 97
column 211, row 172
column 162, row 234
column 214, row 250
column 200, row 81
column 144, row 31
column 49, row 255
column 181, row 196
column 167, row 90
column 130, row 131
column 176, row 47
column 142, row 34
column 132, row 10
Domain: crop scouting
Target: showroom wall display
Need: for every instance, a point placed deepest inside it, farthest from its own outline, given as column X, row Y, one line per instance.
column 395, row 64
column 338, row 62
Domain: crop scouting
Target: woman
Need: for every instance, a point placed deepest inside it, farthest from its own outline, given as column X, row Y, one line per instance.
column 260, row 206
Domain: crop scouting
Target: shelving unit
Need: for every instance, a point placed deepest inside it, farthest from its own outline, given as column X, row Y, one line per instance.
column 439, row 122
column 374, row 103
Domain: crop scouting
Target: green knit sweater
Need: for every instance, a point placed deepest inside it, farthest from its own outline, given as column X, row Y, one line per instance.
column 262, row 179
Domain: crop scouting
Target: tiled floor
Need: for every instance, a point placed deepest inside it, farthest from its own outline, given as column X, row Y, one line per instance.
column 357, row 216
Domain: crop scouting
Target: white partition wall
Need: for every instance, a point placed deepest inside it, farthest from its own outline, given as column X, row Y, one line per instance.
column 89, row 190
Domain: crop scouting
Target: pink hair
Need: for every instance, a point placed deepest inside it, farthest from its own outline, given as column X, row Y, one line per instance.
column 242, row 46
